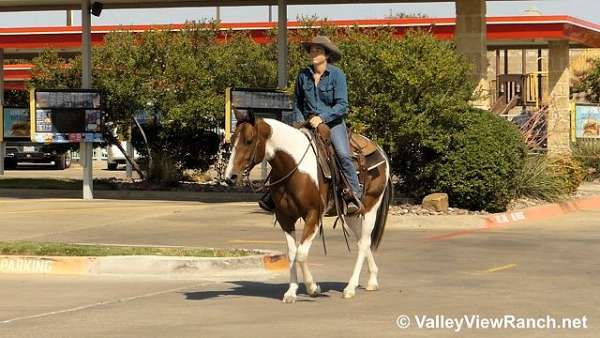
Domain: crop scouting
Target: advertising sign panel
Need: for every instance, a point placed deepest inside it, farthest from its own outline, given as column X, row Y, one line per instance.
column 67, row 116
column 263, row 103
column 16, row 123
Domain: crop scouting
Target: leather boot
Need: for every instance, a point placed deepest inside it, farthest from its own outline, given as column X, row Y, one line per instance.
column 266, row 202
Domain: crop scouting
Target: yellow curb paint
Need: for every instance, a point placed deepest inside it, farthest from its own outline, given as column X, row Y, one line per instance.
column 73, row 266
column 276, row 262
column 87, row 265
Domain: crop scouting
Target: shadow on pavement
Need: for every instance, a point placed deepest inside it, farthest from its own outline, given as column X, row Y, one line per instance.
column 262, row 290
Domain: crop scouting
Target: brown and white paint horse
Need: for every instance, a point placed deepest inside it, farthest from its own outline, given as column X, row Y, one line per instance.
column 303, row 193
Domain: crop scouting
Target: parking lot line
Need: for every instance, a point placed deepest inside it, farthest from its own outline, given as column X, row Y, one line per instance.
column 93, row 305
column 491, row 270
column 500, row 268
column 92, row 208
column 242, row 241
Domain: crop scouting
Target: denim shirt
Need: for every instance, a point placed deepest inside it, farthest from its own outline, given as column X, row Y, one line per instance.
column 328, row 100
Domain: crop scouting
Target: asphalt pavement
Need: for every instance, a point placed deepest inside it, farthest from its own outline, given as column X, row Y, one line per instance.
column 525, row 270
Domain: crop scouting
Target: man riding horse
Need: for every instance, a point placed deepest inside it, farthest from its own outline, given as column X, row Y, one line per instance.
column 321, row 96
column 300, row 188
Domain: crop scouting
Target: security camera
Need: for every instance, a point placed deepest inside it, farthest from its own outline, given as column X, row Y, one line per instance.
column 97, row 8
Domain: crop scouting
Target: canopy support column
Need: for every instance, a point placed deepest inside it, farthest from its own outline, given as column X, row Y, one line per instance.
column 471, row 41
column 282, row 51
column 86, row 149
column 559, row 116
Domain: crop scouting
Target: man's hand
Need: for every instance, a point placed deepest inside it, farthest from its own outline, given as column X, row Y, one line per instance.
column 315, row 121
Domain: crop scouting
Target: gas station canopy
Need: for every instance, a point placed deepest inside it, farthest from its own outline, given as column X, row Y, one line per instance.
column 40, row 5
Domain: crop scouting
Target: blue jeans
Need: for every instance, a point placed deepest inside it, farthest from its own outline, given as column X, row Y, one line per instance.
column 339, row 139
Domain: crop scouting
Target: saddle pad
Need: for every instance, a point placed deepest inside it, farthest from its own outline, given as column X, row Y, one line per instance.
column 374, row 160
column 366, row 146
column 371, row 162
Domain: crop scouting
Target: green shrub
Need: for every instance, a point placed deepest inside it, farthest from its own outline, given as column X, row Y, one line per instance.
column 588, row 153
column 481, row 166
column 549, row 178
column 570, row 170
column 408, row 94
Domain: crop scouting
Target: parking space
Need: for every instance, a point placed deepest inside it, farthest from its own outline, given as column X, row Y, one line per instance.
column 529, row 270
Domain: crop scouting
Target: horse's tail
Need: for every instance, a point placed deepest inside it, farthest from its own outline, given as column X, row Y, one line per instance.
column 382, row 211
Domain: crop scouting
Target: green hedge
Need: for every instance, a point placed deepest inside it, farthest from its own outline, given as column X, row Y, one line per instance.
column 482, row 165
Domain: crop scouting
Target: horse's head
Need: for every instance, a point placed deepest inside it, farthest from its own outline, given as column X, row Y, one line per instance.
column 248, row 148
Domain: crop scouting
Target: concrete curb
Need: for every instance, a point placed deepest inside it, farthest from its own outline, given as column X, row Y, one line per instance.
column 543, row 212
column 144, row 265
column 538, row 213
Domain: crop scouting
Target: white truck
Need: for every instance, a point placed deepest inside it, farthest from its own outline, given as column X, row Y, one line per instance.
column 115, row 156
column 20, row 149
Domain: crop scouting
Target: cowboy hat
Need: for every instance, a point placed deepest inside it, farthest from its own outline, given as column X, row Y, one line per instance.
column 332, row 50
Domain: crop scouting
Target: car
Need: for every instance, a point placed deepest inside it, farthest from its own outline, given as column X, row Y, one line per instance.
column 115, row 156
column 28, row 152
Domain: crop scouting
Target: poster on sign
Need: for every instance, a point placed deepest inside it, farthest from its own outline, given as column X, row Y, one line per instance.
column 16, row 123
column 67, row 116
column 587, row 121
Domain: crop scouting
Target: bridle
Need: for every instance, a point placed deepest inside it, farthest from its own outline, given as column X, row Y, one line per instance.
column 252, row 163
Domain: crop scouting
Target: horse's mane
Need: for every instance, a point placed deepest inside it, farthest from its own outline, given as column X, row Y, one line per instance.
column 286, row 128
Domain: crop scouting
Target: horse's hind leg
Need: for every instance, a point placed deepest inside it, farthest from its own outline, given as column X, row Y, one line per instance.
column 372, row 284
column 362, row 228
column 311, row 227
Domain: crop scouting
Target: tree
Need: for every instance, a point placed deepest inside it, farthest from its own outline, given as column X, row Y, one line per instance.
column 178, row 76
column 590, row 83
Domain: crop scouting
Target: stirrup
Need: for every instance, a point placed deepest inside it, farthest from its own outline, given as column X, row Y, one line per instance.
column 357, row 207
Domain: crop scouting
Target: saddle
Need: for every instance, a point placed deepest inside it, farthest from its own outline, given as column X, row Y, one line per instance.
column 365, row 153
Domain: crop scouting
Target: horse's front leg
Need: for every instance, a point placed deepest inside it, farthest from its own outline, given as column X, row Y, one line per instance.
column 290, row 295
column 311, row 227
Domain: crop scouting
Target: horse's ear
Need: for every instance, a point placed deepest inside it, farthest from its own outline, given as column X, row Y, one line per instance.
column 243, row 115
column 263, row 129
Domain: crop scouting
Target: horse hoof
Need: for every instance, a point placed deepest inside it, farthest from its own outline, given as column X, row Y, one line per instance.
column 372, row 287
column 316, row 292
column 288, row 299
column 348, row 294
